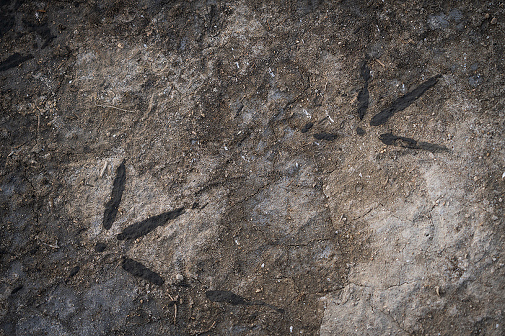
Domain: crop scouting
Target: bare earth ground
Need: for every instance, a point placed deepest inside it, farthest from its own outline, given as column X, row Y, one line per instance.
column 322, row 230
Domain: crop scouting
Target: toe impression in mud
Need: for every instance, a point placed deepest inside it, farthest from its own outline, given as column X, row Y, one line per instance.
column 13, row 61
column 142, row 228
column 325, row 136
column 403, row 102
column 234, row 299
column 393, row 140
column 112, row 205
column 137, row 269
column 363, row 94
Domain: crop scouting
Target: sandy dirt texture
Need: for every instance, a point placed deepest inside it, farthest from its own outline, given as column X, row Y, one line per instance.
column 252, row 167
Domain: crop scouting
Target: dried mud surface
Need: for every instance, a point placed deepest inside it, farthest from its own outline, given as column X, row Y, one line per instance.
column 215, row 168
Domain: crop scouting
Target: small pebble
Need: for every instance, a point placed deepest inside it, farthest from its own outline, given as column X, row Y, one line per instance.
column 179, row 277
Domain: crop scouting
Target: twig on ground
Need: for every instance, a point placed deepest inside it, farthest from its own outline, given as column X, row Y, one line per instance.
column 113, row 107
column 205, row 331
column 102, row 171
column 175, row 307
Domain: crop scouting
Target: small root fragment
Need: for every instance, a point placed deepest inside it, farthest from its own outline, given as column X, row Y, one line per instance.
column 104, row 168
column 113, row 107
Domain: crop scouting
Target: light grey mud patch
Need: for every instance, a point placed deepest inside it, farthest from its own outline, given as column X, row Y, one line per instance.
column 424, row 254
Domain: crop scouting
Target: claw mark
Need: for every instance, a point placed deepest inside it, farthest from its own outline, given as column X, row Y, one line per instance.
column 137, row 269
column 100, row 247
column 307, row 127
column 403, row 102
column 112, row 205
column 142, row 228
column 393, row 140
column 74, row 271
